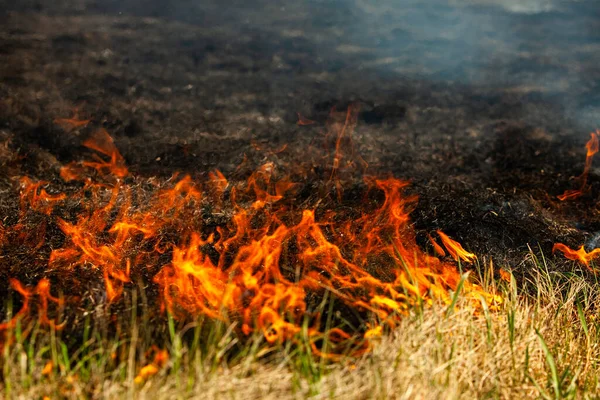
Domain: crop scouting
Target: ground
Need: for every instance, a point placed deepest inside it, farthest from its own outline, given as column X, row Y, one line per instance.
column 485, row 107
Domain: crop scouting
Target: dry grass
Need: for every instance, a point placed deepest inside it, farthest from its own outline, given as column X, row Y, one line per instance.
column 542, row 343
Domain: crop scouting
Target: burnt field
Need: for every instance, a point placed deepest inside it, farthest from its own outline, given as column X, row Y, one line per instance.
column 470, row 119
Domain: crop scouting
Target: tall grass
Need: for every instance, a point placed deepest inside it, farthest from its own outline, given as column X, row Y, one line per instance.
column 543, row 342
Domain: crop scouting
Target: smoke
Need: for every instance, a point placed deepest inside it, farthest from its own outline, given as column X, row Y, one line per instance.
column 550, row 48
column 547, row 49
column 506, row 42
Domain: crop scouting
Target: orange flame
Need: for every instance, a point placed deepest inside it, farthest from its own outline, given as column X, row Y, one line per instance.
column 262, row 266
column 42, row 290
column 161, row 357
column 436, row 247
column 103, row 143
column 219, row 182
column 304, row 121
column 70, row 124
column 34, row 196
column 580, row 255
column 505, row 275
column 592, row 146
column 455, row 249
column 48, row 368
column 338, row 156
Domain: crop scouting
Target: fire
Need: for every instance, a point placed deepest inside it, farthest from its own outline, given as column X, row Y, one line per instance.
column 592, row 147
column 45, row 298
column 35, row 197
column 505, row 275
column 455, row 249
column 580, row 255
column 48, row 368
column 161, row 357
column 263, row 264
column 302, row 120
column 102, row 143
column 436, row 247
column 73, row 123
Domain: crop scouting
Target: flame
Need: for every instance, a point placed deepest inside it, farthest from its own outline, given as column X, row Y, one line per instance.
column 592, row 146
column 436, row 247
column 505, row 275
column 161, row 357
column 580, row 255
column 339, row 155
column 42, row 291
column 70, row 124
column 261, row 267
column 48, row 368
column 34, row 196
column 101, row 142
column 455, row 249
column 219, row 182
column 256, row 286
column 304, row 121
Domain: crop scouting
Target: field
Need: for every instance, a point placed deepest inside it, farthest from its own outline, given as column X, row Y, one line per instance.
column 309, row 199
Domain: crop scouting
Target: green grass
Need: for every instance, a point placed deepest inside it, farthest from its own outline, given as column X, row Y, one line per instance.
column 543, row 342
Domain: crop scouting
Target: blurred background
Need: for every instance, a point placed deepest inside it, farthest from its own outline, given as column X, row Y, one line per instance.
column 544, row 48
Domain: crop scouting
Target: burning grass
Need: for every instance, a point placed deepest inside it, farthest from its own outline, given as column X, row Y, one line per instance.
column 582, row 255
column 592, row 147
column 186, row 281
column 267, row 264
column 540, row 343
